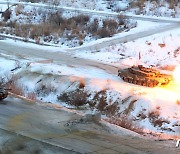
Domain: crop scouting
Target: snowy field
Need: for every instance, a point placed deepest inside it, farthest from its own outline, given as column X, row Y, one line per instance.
column 149, row 110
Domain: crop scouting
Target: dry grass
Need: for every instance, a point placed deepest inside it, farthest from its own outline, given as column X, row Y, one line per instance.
column 142, row 116
column 130, row 107
column 2, row 82
column 112, row 109
column 6, row 15
column 82, row 84
column 80, row 97
column 45, row 89
column 177, row 52
column 54, row 26
column 125, row 100
column 139, row 4
column 156, row 120
column 14, row 87
column 101, row 103
column 77, row 98
column 104, row 32
column 19, row 9
column 100, row 100
column 31, row 96
column 125, row 122
column 142, row 3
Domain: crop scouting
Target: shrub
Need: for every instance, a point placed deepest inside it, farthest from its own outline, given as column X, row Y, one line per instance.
column 111, row 110
column 76, row 98
column 81, row 19
column 110, row 24
column 156, row 120
column 22, row 30
column 100, row 100
column 121, row 20
column 142, row 116
column 137, row 4
column 130, row 107
column 81, row 84
column 13, row 85
column 19, row 9
column 101, row 103
column 54, row 26
column 2, row 23
column 31, row 96
column 104, row 32
column 6, row 15
column 11, row 24
column 93, row 27
column 55, row 19
column 44, row 90
column 125, row 122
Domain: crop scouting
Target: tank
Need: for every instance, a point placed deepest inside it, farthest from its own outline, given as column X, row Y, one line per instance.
column 3, row 93
column 144, row 76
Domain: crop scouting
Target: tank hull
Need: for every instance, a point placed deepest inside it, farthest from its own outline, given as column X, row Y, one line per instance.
column 143, row 76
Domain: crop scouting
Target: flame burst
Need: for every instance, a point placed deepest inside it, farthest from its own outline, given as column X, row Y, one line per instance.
column 176, row 74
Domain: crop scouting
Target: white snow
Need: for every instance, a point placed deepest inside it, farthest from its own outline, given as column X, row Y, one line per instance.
column 148, row 48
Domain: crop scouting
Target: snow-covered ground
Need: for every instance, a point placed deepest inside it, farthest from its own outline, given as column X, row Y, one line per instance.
column 159, row 49
column 150, row 8
column 63, row 28
column 149, row 109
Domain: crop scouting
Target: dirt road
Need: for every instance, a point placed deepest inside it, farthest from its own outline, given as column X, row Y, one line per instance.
column 30, row 127
column 57, row 57
column 68, row 58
